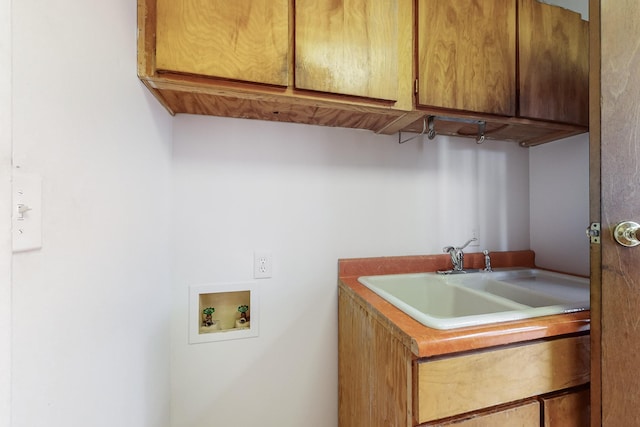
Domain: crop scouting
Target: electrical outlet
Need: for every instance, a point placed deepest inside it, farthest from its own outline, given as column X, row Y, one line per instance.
column 262, row 265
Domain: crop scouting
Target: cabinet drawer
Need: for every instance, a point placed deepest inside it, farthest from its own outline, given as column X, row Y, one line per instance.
column 456, row 385
column 524, row 415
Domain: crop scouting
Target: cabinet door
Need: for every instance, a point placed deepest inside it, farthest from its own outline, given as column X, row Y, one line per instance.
column 244, row 40
column 567, row 410
column 467, row 55
column 554, row 63
column 348, row 47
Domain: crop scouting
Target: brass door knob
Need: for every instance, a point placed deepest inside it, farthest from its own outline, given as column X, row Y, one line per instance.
column 626, row 233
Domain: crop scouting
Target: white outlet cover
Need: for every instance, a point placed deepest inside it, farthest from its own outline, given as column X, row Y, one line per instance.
column 262, row 265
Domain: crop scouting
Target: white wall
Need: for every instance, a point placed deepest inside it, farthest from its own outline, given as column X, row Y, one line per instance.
column 560, row 193
column 91, row 308
column 312, row 195
column 559, row 199
column 5, row 212
column 580, row 6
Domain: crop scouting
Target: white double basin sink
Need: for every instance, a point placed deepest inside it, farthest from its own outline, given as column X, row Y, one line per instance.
column 449, row 301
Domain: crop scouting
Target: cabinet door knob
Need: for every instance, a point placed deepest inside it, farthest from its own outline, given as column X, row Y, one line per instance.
column 626, row 233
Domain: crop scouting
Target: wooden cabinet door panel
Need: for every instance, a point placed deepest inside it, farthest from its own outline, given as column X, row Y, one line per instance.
column 567, row 410
column 348, row 47
column 553, row 48
column 244, row 40
column 467, row 55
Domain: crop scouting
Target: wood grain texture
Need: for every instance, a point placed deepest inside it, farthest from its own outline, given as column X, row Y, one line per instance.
column 146, row 37
column 523, row 415
column 244, row 40
column 282, row 109
column 374, row 371
column 595, row 253
column 467, row 55
column 456, row 385
column 620, row 195
column 567, row 410
column 553, row 47
column 348, row 47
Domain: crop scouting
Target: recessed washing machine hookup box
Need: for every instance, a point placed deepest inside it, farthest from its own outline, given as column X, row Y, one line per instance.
column 226, row 311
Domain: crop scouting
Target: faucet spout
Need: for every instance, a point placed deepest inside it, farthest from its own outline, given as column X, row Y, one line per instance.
column 468, row 242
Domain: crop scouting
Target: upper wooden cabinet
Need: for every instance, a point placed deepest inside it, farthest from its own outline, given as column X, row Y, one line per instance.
column 516, row 65
column 467, row 55
column 239, row 40
column 553, row 46
column 491, row 57
column 343, row 63
column 348, row 47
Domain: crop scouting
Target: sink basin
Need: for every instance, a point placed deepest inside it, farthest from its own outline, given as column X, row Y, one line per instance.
column 455, row 301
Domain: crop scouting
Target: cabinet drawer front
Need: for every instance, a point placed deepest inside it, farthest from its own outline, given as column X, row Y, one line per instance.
column 456, row 385
column 525, row 415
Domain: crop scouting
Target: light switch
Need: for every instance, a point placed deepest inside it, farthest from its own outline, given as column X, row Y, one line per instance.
column 27, row 212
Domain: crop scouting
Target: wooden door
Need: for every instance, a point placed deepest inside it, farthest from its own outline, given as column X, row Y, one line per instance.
column 616, row 139
column 467, row 55
column 553, row 63
column 348, row 47
column 245, row 40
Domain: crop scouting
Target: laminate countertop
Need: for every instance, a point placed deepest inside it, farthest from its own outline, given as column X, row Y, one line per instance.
column 428, row 342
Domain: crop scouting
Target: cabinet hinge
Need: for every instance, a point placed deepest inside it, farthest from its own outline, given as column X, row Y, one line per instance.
column 594, row 232
column 415, row 87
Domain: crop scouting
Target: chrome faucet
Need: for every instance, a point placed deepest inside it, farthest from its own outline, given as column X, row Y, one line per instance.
column 457, row 256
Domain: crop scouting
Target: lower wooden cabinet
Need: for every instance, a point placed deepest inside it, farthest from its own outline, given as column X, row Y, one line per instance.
column 382, row 383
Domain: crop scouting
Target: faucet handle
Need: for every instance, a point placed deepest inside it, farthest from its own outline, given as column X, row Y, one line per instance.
column 487, row 261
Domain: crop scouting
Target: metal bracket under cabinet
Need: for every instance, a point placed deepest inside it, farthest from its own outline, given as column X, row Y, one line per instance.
column 428, row 127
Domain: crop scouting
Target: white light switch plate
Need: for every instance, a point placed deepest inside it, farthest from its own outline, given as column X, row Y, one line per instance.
column 27, row 212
